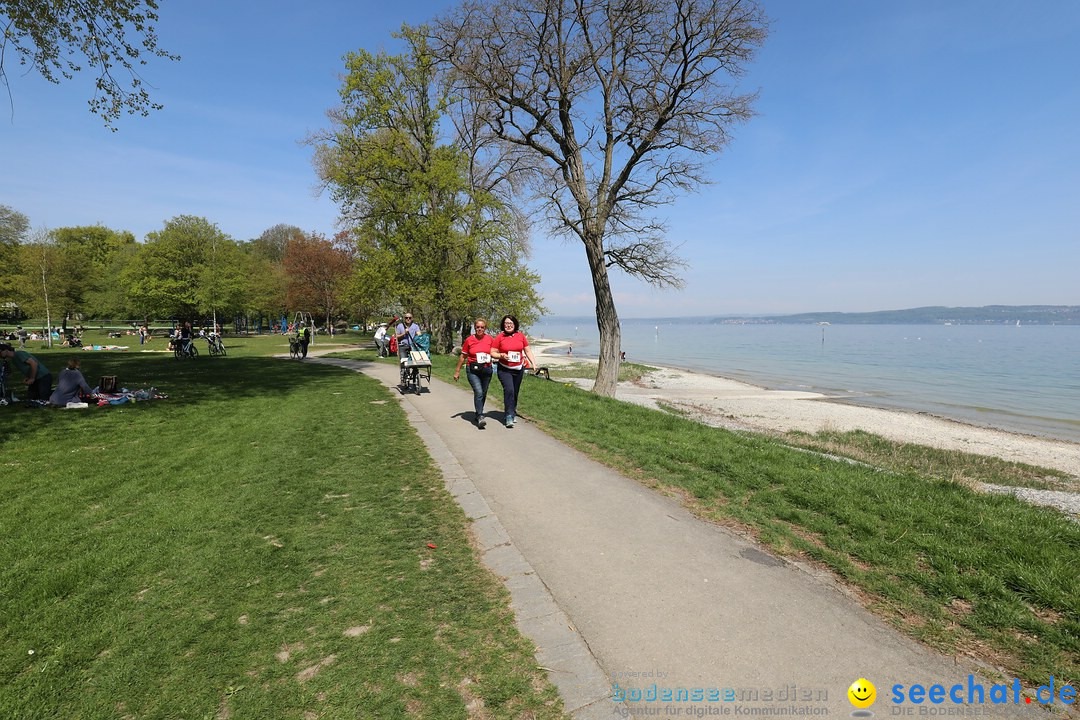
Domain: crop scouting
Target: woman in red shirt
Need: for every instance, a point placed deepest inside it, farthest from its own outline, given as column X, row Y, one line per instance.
column 476, row 351
column 511, row 349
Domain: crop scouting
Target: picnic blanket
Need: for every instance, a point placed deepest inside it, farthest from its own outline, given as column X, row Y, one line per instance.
column 125, row 395
column 105, row 347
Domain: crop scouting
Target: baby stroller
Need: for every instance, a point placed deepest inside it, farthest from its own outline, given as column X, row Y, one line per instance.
column 416, row 366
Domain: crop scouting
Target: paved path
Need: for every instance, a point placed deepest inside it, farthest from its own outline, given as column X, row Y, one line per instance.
column 617, row 584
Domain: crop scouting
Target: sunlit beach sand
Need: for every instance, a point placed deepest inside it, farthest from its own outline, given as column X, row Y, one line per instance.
column 732, row 404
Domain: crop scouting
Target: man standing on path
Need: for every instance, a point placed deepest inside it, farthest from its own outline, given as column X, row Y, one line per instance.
column 305, row 338
column 38, row 378
column 407, row 331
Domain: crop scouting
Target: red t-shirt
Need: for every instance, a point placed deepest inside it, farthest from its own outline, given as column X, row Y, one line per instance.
column 514, row 345
column 472, row 346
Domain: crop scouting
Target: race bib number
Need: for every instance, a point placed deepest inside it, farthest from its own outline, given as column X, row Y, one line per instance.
column 513, row 357
column 483, row 358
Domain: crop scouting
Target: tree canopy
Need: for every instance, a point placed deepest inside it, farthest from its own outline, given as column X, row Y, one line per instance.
column 424, row 232
column 60, row 38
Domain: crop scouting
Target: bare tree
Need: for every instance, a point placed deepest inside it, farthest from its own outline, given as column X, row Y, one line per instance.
column 616, row 105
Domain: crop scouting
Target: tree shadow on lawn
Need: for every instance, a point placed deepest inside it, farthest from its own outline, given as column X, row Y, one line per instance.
column 205, row 381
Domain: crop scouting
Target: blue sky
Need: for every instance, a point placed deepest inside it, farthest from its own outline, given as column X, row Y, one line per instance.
column 904, row 154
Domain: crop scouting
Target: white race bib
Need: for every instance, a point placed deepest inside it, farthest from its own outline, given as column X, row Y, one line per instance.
column 483, row 358
column 514, row 358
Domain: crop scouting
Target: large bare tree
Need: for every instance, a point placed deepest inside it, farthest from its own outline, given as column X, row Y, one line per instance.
column 617, row 105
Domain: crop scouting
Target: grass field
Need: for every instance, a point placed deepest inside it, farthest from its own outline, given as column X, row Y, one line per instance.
column 255, row 546
column 967, row 573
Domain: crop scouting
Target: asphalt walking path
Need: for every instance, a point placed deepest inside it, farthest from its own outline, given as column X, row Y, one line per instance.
column 625, row 591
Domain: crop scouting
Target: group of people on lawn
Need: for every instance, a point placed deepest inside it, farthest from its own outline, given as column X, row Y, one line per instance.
column 70, row 387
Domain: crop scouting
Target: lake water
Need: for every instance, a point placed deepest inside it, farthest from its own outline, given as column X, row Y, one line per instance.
column 1025, row 379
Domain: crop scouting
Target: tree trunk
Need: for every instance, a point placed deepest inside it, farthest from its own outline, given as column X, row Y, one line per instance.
column 48, row 315
column 607, row 321
column 442, row 332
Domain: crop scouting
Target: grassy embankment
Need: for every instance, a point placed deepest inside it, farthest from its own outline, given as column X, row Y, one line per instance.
column 254, row 546
column 965, row 572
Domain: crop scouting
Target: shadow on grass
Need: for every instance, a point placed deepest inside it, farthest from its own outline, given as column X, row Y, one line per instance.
column 203, row 381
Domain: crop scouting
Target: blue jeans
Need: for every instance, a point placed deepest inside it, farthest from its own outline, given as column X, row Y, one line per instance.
column 511, row 382
column 479, row 384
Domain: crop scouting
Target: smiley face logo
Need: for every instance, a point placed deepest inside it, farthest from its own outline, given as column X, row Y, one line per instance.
column 862, row 693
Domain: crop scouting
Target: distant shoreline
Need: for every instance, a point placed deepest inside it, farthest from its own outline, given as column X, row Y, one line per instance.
column 724, row 402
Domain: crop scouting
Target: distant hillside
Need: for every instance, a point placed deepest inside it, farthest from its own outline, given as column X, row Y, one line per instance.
column 989, row 315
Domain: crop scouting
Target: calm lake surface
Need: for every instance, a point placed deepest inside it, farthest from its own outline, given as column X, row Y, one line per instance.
column 1025, row 379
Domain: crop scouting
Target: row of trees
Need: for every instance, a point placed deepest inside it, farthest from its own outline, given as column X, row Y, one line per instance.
column 188, row 269
column 191, row 269
column 590, row 113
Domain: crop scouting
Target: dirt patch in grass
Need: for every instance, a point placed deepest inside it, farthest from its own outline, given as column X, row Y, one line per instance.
column 310, row 672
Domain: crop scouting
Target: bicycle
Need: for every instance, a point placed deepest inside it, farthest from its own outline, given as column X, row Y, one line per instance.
column 184, row 348
column 213, row 341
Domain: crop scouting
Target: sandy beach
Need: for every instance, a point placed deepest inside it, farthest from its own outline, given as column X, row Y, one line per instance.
column 732, row 404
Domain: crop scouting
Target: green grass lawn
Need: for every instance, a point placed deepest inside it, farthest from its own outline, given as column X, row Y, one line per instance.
column 962, row 571
column 256, row 546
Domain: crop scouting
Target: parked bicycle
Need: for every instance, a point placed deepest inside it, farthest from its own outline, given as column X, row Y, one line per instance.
column 213, row 341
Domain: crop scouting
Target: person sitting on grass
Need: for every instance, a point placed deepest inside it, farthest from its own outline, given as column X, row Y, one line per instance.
column 38, row 379
column 70, row 385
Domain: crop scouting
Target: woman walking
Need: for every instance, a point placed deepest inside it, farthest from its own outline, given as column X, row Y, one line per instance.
column 511, row 349
column 476, row 356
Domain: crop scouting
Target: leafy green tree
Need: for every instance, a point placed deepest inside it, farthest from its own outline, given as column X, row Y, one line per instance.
column 271, row 244
column 58, row 38
column 14, row 227
column 93, row 248
column 165, row 278
column 223, row 282
column 97, row 242
column 267, row 286
column 408, row 198
column 109, row 299
column 47, row 279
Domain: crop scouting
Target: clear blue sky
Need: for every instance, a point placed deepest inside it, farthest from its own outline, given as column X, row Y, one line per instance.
column 905, row 153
